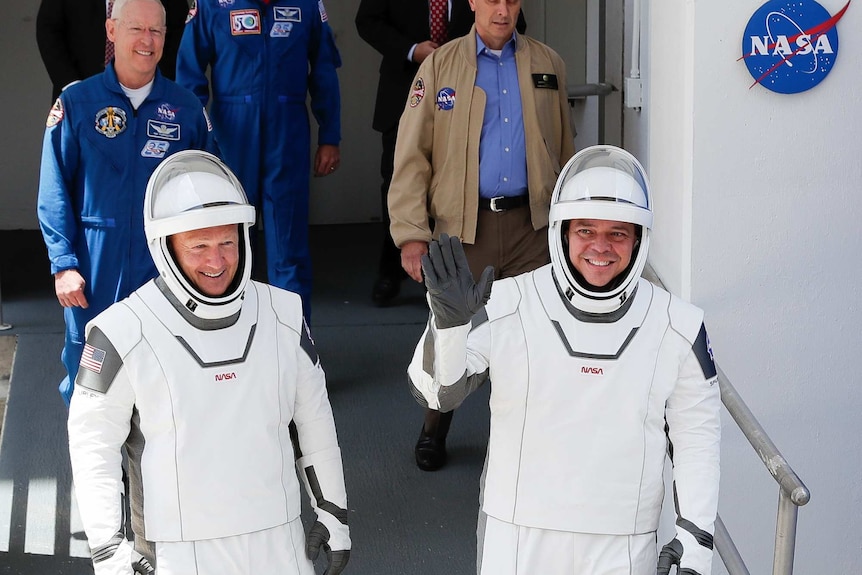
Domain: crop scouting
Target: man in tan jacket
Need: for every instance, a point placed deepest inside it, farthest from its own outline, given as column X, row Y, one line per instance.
column 484, row 134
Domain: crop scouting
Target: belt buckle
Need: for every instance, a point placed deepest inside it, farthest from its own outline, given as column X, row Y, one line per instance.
column 494, row 207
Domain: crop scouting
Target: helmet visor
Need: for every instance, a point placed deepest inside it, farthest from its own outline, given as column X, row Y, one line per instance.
column 603, row 183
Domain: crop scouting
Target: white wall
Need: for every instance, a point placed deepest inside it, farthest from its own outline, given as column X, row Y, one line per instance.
column 759, row 199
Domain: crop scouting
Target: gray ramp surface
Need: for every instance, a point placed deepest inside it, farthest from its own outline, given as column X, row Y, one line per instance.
column 403, row 520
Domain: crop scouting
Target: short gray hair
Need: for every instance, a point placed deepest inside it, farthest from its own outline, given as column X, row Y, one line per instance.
column 120, row 5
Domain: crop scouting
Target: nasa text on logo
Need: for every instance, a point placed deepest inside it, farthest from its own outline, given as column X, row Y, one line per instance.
column 790, row 46
column 166, row 112
column 446, row 99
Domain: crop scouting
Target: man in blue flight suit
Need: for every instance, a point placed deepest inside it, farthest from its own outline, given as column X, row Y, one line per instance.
column 265, row 58
column 104, row 137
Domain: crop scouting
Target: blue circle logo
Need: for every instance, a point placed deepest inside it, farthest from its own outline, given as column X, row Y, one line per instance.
column 790, row 46
column 446, row 99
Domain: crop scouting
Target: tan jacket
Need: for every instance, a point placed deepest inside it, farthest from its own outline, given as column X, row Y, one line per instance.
column 437, row 151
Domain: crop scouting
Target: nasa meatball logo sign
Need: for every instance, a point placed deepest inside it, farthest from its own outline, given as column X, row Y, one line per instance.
column 790, row 46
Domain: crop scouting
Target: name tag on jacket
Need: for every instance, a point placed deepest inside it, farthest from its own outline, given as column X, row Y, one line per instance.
column 548, row 81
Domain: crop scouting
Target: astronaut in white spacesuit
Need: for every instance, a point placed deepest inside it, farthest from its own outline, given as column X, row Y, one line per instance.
column 199, row 373
column 597, row 374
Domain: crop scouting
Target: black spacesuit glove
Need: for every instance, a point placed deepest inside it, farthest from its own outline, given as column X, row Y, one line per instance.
column 452, row 294
column 140, row 565
column 671, row 554
column 317, row 539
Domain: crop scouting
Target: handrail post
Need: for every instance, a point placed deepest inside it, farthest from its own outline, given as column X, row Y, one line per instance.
column 785, row 535
column 3, row 326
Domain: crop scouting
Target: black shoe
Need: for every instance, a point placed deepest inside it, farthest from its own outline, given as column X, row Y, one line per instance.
column 430, row 452
column 385, row 289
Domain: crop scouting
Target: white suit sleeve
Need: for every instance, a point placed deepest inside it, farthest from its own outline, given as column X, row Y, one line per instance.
column 450, row 364
column 319, row 461
column 99, row 421
column 694, row 431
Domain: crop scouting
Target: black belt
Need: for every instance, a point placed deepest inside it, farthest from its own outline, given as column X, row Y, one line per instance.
column 503, row 203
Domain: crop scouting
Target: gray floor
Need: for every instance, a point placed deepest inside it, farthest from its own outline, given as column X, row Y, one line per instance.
column 403, row 521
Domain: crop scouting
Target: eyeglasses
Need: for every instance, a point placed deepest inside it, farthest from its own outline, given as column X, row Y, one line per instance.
column 135, row 29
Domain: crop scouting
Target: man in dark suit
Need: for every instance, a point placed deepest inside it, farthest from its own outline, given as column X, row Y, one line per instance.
column 400, row 31
column 71, row 38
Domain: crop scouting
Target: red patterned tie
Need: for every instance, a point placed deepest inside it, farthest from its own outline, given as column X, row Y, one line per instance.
column 439, row 16
column 109, row 46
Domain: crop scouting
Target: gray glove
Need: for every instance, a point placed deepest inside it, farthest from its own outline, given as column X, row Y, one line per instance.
column 671, row 554
column 454, row 296
column 318, row 537
column 140, row 565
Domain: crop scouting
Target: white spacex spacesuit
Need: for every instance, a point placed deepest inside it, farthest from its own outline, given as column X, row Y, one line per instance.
column 591, row 387
column 202, row 391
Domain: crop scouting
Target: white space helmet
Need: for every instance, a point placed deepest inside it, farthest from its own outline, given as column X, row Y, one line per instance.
column 188, row 191
column 599, row 183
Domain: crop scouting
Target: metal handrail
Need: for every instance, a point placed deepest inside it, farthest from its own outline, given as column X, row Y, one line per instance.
column 792, row 492
column 777, row 466
column 727, row 550
column 577, row 91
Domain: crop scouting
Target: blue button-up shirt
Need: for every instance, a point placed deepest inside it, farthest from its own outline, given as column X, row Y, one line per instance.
column 502, row 149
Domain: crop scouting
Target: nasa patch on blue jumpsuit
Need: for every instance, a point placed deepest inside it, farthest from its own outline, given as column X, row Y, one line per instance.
column 281, row 29
column 166, row 112
column 244, row 22
column 446, row 99
column 111, row 121
column 225, row 3
column 155, row 149
column 163, row 130
column 286, row 14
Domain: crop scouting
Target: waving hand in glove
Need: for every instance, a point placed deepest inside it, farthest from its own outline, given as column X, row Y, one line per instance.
column 452, row 294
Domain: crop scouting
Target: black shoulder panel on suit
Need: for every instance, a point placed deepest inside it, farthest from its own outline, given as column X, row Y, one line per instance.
column 704, row 353
column 99, row 363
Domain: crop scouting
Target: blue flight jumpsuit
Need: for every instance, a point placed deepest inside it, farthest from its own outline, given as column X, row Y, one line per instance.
column 97, row 156
column 265, row 58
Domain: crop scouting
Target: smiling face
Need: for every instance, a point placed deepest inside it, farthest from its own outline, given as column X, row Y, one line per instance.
column 600, row 249
column 495, row 20
column 209, row 257
column 138, row 34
